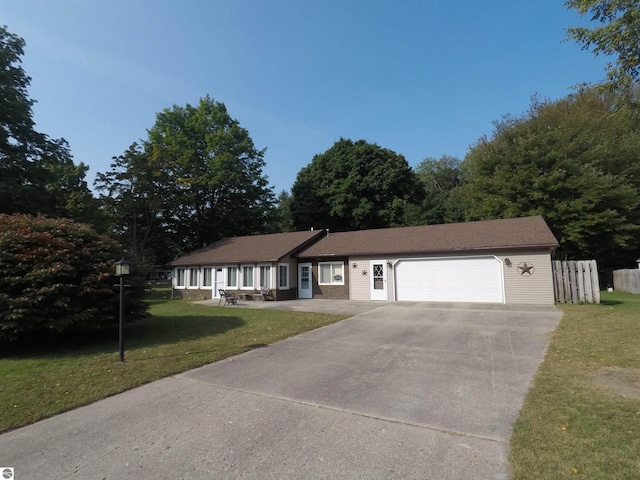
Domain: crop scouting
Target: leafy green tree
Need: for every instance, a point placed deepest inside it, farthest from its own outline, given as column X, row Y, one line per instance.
column 37, row 174
column 354, row 186
column 574, row 161
column 215, row 186
column 66, row 189
column 283, row 220
column 439, row 179
column 56, row 276
column 133, row 197
column 617, row 36
column 197, row 178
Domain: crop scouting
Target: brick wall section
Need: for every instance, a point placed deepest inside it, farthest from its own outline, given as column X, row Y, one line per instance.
column 200, row 294
column 248, row 294
column 331, row 292
column 290, row 294
column 191, row 294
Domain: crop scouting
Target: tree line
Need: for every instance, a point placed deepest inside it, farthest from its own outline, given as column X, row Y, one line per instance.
column 198, row 176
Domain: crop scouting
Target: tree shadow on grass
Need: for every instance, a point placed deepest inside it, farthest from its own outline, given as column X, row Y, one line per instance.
column 146, row 333
column 160, row 331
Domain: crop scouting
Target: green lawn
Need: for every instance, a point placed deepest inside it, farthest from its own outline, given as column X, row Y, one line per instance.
column 569, row 427
column 178, row 336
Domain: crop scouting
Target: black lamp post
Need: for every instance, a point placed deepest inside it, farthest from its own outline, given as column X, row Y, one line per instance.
column 122, row 269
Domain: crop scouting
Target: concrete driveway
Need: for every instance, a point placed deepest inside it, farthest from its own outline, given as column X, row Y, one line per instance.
column 403, row 390
column 339, row 307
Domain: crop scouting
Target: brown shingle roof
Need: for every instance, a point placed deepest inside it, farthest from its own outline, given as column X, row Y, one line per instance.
column 523, row 232
column 255, row 248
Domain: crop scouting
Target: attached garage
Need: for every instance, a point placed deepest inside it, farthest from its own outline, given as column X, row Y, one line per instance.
column 458, row 279
column 491, row 261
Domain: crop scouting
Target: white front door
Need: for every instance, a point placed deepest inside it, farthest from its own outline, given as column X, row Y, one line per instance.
column 305, row 281
column 378, row 282
column 218, row 282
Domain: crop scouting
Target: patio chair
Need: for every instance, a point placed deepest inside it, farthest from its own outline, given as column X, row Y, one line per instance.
column 228, row 298
column 263, row 294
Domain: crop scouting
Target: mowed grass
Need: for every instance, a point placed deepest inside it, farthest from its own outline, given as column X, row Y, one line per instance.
column 177, row 337
column 569, row 427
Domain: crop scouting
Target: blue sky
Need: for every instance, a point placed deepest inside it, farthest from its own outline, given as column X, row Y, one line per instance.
column 424, row 78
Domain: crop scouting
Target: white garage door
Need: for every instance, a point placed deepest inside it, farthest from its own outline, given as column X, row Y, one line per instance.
column 470, row 279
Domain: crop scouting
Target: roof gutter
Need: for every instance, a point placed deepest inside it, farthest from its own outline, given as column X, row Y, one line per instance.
column 552, row 247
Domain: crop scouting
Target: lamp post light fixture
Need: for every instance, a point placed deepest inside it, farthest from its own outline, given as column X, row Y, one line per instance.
column 122, row 269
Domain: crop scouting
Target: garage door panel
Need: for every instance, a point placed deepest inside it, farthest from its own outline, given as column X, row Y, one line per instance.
column 477, row 279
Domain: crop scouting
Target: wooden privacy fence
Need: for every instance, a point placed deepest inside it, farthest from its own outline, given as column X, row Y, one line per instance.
column 576, row 281
column 627, row 280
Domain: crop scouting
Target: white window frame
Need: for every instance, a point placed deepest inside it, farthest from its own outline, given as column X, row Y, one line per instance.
column 285, row 285
column 243, row 282
column 210, row 271
column 181, row 274
column 261, row 268
column 190, row 272
column 332, row 275
column 228, row 278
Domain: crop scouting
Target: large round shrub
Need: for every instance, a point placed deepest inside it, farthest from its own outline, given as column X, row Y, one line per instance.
column 55, row 276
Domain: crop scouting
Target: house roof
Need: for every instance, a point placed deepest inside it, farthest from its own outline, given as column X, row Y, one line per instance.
column 523, row 232
column 254, row 248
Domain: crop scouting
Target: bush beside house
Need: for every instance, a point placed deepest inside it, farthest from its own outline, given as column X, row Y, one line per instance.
column 57, row 275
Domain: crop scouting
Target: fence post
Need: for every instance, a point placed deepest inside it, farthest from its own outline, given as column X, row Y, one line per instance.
column 557, row 281
column 595, row 281
column 565, row 282
column 573, row 284
column 580, row 278
column 588, row 282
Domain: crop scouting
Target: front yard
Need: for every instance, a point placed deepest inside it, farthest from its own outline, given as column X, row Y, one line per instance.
column 179, row 336
column 580, row 419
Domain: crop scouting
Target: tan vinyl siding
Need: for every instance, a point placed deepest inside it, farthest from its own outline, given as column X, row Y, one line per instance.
column 391, row 281
column 359, row 284
column 536, row 289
